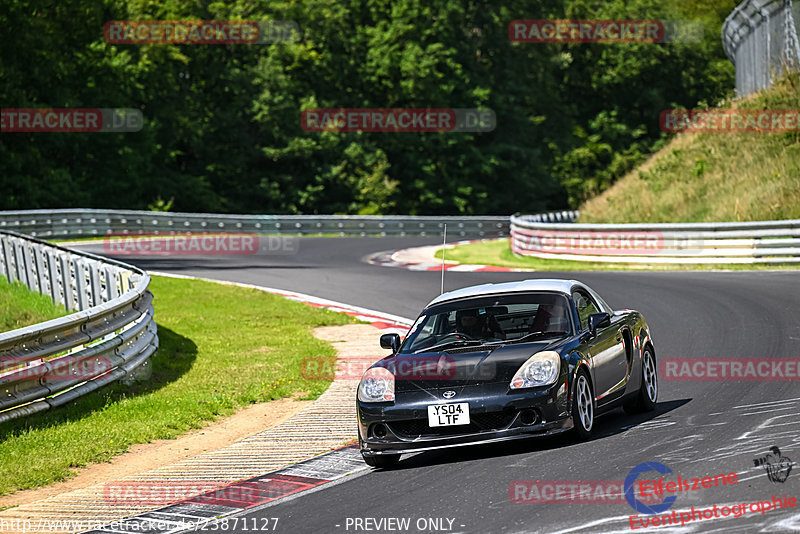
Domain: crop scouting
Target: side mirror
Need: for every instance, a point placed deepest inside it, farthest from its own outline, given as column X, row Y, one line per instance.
column 598, row 320
column 390, row 341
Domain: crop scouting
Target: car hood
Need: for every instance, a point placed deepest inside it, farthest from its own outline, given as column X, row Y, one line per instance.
column 446, row 369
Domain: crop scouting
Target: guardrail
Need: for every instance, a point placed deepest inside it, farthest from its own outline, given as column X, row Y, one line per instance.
column 71, row 223
column 109, row 337
column 726, row 243
column 760, row 38
column 552, row 217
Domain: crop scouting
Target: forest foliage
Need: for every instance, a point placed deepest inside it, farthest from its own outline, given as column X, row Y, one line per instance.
column 222, row 130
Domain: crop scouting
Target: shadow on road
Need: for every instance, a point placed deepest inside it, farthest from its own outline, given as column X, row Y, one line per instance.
column 615, row 422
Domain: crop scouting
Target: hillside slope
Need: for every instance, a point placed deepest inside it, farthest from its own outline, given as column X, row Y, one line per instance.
column 705, row 177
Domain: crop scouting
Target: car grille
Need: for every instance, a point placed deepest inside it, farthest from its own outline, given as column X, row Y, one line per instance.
column 483, row 422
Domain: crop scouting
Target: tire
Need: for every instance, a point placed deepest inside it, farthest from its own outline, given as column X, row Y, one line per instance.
column 383, row 461
column 645, row 400
column 583, row 406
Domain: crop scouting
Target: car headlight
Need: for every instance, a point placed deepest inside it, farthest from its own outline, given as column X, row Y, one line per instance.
column 541, row 369
column 377, row 385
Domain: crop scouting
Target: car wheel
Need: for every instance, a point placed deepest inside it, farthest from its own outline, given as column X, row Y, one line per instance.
column 583, row 406
column 645, row 400
column 383, row 461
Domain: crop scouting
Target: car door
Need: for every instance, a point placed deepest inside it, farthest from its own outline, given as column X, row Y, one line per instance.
column 606, row 351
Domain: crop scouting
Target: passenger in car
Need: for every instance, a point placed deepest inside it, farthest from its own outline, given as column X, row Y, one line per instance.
column 550, row 318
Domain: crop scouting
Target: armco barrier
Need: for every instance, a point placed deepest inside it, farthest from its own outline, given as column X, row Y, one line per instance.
column 746, row 242
column 87, row 223
column 109, row 337
column 760, row 38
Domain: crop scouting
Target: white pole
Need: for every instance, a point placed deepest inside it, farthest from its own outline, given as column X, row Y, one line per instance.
column 444, row 244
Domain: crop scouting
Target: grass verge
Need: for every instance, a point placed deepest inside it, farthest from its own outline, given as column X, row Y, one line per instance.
column 497, row 252
column 713, row 176
column 20, row 307
column 231, row 347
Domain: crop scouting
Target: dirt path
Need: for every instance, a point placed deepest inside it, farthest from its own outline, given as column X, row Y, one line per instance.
column 221, row 433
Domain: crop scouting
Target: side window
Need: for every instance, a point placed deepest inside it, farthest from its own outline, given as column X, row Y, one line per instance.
column 585, row 306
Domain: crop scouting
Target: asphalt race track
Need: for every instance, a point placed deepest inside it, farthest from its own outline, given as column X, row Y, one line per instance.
column 699, row 428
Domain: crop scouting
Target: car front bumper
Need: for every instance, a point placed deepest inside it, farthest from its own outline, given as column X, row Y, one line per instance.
column 496, row 414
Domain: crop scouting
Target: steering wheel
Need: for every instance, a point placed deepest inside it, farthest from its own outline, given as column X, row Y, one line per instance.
column 459, row 335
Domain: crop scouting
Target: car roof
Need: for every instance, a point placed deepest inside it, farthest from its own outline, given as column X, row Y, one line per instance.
column 543, row 284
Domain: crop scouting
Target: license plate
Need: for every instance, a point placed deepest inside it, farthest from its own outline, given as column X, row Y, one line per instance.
column 448, row 414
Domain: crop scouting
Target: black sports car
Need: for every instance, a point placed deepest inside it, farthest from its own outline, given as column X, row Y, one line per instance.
column 504, row 361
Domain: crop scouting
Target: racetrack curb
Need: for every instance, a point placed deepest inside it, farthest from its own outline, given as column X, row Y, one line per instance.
column 269, row 488
column 423, row 259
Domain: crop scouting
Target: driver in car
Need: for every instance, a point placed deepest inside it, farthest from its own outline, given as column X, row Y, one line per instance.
column 476, row 326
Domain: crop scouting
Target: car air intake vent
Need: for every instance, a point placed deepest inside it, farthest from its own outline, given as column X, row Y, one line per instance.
column 463, row 350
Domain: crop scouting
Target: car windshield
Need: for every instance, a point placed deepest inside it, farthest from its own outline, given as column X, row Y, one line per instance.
column 486, row 320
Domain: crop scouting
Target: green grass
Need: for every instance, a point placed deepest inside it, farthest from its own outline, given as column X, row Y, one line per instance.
column 21, row 307
column 231, row 347
column 497, row 252
column 713, row 177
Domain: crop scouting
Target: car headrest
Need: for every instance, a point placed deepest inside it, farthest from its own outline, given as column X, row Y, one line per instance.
column 466, row 313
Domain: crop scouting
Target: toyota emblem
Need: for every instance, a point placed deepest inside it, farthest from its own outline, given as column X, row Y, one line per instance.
column 449, row 394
